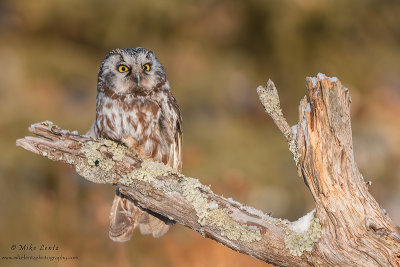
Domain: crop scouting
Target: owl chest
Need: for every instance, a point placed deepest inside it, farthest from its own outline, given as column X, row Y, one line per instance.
column 138, row 124
column 120, row 120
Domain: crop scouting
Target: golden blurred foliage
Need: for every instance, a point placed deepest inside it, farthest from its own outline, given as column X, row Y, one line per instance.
column 215, row 54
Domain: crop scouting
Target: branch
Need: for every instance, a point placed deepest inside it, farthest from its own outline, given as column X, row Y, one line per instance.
column 160, row 189
column 269, row 98
column 347, row 228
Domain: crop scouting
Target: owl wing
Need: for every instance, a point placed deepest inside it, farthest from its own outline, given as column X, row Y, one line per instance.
column 175, row 155
column 124, row 217
column 148, row 223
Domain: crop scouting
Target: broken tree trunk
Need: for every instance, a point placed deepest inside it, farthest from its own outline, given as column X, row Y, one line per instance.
column 347, row 228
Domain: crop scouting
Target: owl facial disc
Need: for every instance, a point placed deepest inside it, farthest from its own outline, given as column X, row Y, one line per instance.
column 130, row 71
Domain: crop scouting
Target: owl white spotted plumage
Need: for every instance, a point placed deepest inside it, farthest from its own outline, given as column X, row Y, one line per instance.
column 135, row 107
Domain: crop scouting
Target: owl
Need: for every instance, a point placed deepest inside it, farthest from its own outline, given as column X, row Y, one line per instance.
column 136, row 108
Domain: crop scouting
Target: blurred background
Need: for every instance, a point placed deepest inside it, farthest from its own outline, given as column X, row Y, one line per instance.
column 215, row 54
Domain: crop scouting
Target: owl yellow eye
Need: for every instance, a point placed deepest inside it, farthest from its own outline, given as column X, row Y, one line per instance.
column 122, row 68
column 146, row 67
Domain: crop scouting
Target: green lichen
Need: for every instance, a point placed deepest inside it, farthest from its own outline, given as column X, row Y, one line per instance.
column 209, row 214
column 293, row 148
column 297, row 242
column 190, row 191
column 270, row 99
column 69, row 159
column 98, row 167
column 148, row 172
column 93, row 173
column 231, row 229
column 95, row 157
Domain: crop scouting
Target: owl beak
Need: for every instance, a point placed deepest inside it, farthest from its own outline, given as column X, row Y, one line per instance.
column 138, row 78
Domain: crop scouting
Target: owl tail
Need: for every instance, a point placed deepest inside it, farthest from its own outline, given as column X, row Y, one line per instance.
column 125, row 216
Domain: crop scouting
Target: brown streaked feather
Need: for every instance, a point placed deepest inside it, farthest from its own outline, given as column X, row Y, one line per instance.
column 149, row 224
column 175, row 156
column 124, row 217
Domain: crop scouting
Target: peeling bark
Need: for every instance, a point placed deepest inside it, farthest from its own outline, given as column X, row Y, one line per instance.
column 347, row 228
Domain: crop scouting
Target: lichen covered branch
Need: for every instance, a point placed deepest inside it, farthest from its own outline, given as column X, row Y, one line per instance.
column 157, row 187
column 270, row 100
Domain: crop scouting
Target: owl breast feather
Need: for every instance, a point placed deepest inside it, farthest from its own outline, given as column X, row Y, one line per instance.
column 139, row 123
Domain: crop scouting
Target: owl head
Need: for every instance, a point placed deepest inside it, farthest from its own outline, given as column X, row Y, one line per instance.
column 130, row 71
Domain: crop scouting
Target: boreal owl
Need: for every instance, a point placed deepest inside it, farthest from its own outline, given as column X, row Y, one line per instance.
column 135, row 107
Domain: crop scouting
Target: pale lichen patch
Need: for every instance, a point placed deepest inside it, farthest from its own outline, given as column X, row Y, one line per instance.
column 270, row 99
column 95, row 157
column 69, row 159
column 302, row 234
column 190, row 191
column 210, row 214
column 97, row 167
column 93, row 173
column 148, row 172
column 167, row 186
column 231, row 229
column 118, row 151
column 94, row 153
column 293, row 148
column 213, row 205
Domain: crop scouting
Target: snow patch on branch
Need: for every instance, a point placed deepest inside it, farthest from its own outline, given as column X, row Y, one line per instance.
column 321, row 76
column 316, row 92
column 302, row 224
column 314, row 81
column 334, row 79
column 308, row 108
column 302, row 234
